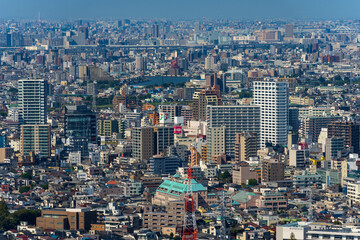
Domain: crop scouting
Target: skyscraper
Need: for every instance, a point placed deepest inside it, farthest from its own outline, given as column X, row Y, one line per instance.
column 273, row 99
column 32, row 101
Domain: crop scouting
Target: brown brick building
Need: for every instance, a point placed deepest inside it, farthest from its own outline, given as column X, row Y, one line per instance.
column 67, row 219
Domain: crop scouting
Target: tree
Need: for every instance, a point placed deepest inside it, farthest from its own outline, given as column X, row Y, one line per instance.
column 24, row 189
column 252, row 182
column 225, row 177
column 26, row 175
column 4, row 211
column 26, row 215
column 292, row 236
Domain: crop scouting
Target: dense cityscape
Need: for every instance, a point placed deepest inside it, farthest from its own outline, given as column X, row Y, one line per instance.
column 179, row 129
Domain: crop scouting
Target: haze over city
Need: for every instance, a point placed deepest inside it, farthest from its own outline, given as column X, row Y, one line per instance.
column 139, row 9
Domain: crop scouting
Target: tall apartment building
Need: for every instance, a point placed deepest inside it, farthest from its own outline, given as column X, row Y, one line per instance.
column 165, row 165
column 273, row 99
column 142, row 143
column 235, row 119
column 246, row 146
column 311, row 126
column 272, row 170
column 35, row 138
column 216, row 142
column 349, row 131
column 32, row 101
column 202, row 99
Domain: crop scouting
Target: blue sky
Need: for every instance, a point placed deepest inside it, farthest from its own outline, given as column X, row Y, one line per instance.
column 242, row 9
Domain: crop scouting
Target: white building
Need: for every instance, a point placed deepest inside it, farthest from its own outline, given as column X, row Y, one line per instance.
column 309, row 230
column 273, row 98
column 75, row 158
column 352, row 186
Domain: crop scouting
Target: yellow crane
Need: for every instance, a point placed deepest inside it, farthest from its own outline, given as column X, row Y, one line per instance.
column 315, row 161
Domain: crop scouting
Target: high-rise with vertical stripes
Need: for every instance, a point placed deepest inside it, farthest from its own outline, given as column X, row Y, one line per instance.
column 32, row 101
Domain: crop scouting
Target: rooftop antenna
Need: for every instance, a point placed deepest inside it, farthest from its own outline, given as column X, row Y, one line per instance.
column 190, row 228
column 222, row 231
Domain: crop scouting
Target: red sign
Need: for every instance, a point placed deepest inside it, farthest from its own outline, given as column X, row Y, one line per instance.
column 177, row 129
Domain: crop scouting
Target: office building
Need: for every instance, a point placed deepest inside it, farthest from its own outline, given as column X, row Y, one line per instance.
column 273, row 99
column 80, row 122
column 165, row 165
column 272, row 170
column 163, row 138
column 234, row 119
column 67, row 219
column 349, row 131
column 142, row 143
column 32, row 101
column 35, row 138
column 294, row 121
column 246, row 146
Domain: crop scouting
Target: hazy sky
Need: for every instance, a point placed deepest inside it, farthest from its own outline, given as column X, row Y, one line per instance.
column 118, row 9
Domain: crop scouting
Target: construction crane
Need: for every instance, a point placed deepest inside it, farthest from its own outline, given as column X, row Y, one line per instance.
column 316, row 161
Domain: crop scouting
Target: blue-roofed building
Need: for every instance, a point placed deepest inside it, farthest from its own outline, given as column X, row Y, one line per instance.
column 174, row 190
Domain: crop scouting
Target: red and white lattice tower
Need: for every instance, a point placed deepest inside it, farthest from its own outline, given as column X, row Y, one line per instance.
column 190, row 229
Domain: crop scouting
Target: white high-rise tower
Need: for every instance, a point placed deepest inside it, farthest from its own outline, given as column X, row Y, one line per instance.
column 273, row 99
column 32, row 101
